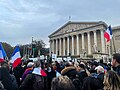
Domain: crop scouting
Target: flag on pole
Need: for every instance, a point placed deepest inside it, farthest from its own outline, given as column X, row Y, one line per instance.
column 108, row 34
column 16, row 58
column 2, row 53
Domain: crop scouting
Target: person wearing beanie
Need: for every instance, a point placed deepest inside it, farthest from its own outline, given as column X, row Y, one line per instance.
column 100, row 74
column 29, row 69
column 81, row 72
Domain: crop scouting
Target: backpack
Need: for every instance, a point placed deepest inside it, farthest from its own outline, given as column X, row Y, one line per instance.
column 38, row 83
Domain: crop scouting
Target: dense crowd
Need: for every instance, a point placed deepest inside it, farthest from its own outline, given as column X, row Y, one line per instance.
column 63, row 75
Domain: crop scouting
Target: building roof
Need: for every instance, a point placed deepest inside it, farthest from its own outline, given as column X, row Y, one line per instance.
column 70, row 22
column 115, row 27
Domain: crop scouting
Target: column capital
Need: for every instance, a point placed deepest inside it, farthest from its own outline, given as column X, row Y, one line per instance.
column 68, row 36
column 88, row 32
column 82, row 33
column 72, row 35
column 59, row 38
column 77, row 34
column 94, row 31
column 101, row 30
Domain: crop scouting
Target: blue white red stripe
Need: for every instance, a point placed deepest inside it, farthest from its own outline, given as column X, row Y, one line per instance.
column 108, row 34
column 16, row 58
column 2, row 53
column 39, row 71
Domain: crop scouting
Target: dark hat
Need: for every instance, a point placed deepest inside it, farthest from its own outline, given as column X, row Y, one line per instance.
column 82, row 66
column 117, row 57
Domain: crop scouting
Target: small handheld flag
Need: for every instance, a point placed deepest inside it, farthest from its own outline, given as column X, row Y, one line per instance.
column 108, row 34
column 16, row 58
column 2, row 53
column 39, row 71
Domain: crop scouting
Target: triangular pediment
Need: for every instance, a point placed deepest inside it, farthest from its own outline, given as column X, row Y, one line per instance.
column 73, row 26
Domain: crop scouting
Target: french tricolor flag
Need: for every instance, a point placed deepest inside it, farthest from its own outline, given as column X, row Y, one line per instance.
column 16, row 58
column 2, row 53
column 108, row 34
column 39, row 71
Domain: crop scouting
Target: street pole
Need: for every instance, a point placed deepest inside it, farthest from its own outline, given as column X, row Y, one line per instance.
column 23, row 50
column 32, row 48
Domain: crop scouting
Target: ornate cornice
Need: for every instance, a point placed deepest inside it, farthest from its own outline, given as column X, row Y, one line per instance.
column 96, row 24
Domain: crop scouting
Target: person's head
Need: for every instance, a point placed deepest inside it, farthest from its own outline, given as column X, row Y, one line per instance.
column 68, row 64
column 116, row 60
column 37, row 64
column 30, row 65
column 62, row 83
column 80, row 67
column 5, row 65
column 111, row 81
column 99, row 69
column 70, row 72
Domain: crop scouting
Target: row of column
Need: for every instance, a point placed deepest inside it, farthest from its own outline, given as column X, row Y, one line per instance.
column 77, row 44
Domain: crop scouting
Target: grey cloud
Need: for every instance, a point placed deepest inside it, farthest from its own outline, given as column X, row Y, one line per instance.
column 22, row 19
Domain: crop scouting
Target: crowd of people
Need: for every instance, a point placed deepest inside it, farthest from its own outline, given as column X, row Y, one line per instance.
column 64, row 75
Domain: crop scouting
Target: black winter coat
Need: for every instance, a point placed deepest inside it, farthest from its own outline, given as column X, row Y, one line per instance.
column 82, row 75
column 101, row 79
column 5, row 78
column 18, row 72
column 118, row 70
column 27, row 84
column 91, row 83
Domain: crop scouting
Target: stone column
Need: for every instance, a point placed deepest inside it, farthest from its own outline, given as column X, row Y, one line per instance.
column 56, row 47
column 83, row 44
column 95, row 41
column 77, row 44
column 64, row 46
column 60, row 47
column 102, row 41
column 73, row 45
column 53, row 48
column 95, row 38
column 50, row 47
column 89, row 44
column 68, row 45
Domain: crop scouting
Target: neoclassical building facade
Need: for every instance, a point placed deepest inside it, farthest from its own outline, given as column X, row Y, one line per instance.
column 116, row 37
column 77, row 38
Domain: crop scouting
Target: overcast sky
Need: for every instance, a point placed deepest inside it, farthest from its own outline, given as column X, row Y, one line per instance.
column 20, row 20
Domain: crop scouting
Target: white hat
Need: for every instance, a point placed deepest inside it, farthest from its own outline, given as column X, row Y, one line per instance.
column 100, row 68
column 30, row 64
